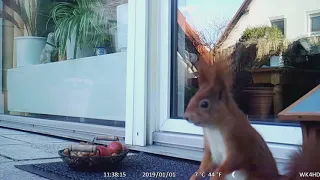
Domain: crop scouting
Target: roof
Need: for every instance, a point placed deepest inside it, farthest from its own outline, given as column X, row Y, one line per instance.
column 235, row 19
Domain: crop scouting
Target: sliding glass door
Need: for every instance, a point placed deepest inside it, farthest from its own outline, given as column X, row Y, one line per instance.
column 274, row 56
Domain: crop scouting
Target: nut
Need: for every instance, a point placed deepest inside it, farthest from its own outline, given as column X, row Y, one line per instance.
column 92, row 154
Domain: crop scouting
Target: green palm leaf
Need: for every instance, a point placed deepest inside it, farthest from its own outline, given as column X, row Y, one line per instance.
column 8, row 17
column 82, row 18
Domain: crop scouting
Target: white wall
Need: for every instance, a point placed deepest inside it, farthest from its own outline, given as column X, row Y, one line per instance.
column 91, row 87
column 261, row 12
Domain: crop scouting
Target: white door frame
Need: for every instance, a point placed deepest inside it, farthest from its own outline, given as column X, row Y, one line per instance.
column 164, row 55
column 136, row 85
column 1, row 61
column 271, row 133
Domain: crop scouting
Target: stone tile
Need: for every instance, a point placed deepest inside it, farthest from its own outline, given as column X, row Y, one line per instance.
column 24, row 152
column 6, row 131
column 8, row 141
column 12, row 173
column 3, row 159
column 51, row 147
column 35, row 138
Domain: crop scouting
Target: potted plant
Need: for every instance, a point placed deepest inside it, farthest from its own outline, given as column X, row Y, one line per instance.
column 105, row 45
column 34, row 14
column 270, row 45
column 80, row 27
column 273, row 49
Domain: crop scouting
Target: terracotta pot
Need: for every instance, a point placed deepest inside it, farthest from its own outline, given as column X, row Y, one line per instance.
column 260, row 101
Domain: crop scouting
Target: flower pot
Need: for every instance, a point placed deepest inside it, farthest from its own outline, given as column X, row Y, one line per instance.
column 260, row 101
column 100, row 51
column 276, row 61
column 85, row 51
column 29, row 49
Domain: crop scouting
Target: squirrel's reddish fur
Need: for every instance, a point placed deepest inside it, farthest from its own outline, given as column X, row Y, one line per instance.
column 246, row 150
column 307, row 159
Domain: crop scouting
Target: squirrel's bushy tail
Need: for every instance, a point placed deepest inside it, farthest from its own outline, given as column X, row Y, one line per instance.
column 304, row 162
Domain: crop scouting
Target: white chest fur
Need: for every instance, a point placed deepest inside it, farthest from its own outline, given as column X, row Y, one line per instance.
column 216, row 144
column 219, row 151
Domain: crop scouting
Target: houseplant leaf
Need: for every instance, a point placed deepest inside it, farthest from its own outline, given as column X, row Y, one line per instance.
column 13, row 4
column 80, row 17
column 8, row 17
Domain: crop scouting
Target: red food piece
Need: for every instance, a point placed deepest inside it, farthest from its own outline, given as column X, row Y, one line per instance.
column 103, row 151
column 114, row 147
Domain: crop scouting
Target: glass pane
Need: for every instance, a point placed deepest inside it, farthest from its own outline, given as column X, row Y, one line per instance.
column 279, row 24
column 271, row 71
column 59, row 58
column 315, row 24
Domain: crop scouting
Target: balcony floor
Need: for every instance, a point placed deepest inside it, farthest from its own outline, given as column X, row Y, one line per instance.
column 19, row 147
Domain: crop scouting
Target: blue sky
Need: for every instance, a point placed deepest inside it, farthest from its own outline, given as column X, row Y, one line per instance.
column 200, row 12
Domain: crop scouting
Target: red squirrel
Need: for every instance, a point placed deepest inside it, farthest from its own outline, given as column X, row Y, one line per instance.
column 304, row 163
column 233, row 149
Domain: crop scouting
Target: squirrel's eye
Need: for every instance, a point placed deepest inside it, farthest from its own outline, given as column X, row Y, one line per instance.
column 204, row 104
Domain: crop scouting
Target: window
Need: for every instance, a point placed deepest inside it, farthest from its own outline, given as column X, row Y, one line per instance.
column 280, row 24
column 38, row 33
column 258, row 89
column 315, row 23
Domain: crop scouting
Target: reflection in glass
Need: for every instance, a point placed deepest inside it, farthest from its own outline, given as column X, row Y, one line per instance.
column 279, row 23
column 275, row 60
column 315, row 24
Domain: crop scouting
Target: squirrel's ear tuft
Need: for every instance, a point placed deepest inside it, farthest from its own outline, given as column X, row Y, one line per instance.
column 224, row 70
column 206, row 73
column 213, row 70
column 202, row 69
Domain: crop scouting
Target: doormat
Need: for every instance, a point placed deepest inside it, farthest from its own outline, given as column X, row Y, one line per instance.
column 133, row 167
